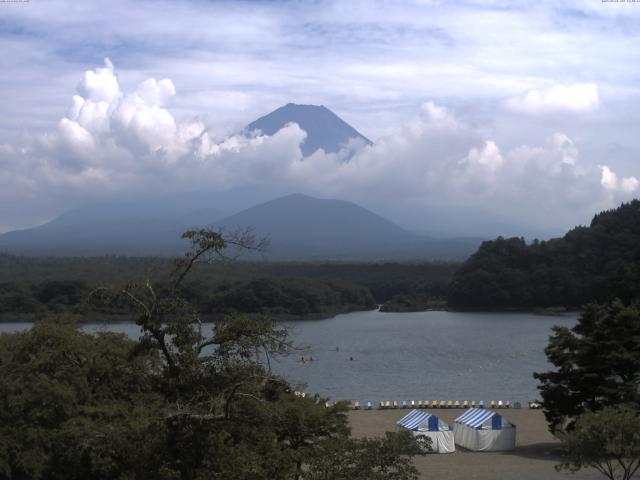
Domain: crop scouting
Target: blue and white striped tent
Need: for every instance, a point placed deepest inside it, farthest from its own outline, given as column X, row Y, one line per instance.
column 428, row 425
column 484, row 430
column 476, row 418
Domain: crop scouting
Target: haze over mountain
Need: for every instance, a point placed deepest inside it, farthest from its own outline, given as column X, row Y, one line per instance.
column 299, row 227
column 325, row 130
column 76, row 233
column 303, row 227
column 153, row 225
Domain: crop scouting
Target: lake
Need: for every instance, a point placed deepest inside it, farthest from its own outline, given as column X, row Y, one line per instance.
column 412, row 356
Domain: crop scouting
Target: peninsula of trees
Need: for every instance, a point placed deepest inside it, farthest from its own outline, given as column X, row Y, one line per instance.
column 594, row 263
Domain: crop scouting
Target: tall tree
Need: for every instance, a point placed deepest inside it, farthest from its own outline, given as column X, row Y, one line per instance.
column 597, row 363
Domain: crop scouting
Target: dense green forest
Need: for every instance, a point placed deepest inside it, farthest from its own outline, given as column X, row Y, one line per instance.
column 594, row 263
column 34, row 286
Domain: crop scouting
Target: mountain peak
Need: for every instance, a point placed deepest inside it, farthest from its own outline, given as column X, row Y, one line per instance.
column 325, row 130
column 301, row 226
column 303, row 106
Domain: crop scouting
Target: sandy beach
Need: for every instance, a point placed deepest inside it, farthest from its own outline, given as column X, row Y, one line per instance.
column 534, row 458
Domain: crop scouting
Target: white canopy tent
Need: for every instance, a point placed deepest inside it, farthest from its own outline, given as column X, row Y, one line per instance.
column 483, row 430
column 422, row 423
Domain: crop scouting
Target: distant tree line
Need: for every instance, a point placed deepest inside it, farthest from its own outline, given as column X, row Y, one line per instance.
column 269, row 296
column 297, row 296
column 31, row 287
column 595, row 263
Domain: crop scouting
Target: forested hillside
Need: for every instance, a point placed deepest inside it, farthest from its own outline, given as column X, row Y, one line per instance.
column 593, row 263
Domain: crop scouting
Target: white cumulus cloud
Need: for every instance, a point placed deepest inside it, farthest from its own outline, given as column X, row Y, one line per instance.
column 113, row 142
column 488, row 156
column 609, row 180
column 578, row 97
column 100, row 85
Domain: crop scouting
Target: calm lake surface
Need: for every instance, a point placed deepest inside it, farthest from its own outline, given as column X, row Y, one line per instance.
column 411, row 356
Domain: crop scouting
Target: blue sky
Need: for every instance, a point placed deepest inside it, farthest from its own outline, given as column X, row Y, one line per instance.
column 515, row 75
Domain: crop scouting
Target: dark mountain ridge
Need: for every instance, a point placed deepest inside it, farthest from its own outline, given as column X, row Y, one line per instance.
column 134, row 236
column 300, row 228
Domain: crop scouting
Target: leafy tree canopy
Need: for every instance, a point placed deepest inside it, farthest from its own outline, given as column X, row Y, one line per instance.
column 597, row 363
column 607, row 440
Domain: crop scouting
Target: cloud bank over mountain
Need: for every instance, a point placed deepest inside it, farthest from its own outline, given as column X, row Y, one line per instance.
column 115, row 141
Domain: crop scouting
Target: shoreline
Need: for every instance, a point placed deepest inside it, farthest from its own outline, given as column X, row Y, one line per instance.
column 206, row 318
column 211, row 318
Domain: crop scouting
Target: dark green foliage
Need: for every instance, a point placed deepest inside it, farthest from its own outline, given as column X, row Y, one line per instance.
column 34, row 286
column 387, row 458
column 607, row 440
column 181, row 403
column 15, row 298
column 296, row 296
column 597, row 363
column 77, row 406
column 71, row 402
column 595, row 263
column 65, row 292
